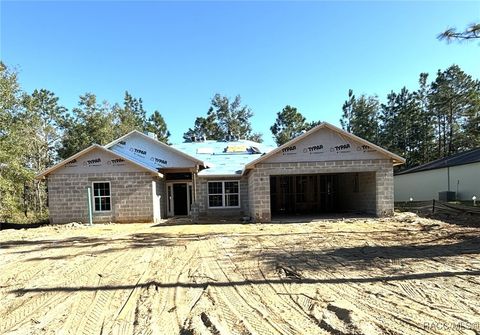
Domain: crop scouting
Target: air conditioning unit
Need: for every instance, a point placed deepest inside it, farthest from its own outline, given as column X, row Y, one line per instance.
column 447, row 196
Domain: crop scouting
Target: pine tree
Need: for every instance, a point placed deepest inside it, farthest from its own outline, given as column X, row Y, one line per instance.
column 288, row 125
column 401, row 126
column 157, row 125
column 424, row 121
column 360, row 116
column 41, row 117
column 451, row 34
column 204, row 127
column 90, row 123
column 224, row 118
column 130, row 116
column 454, row 103
column 14, row 172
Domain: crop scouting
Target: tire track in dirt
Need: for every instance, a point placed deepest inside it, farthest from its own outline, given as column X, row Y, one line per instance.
column 304, row 302
column 340, row 323
column 114, row 274
column 255, row 318
column 383, row 307
column 24, row 264
column 185, row 297
column 210, row 315
column 21, row 310
column 437, row 302
column 23, row 269
column 82, row 270
column 157, row 306
column 267, row 295
column 146, row 314
column 123, row 321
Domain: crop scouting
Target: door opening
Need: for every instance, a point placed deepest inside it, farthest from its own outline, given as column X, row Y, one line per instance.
column 180, row 203
column 304, row 194
column 179, row 198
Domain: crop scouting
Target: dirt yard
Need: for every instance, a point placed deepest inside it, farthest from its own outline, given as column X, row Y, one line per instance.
column 358, row 276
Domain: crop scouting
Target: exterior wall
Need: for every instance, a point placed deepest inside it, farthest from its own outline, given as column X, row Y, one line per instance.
column 156, row 200
column 259, row 182
column 467, row 177
column 425, row 185
column 162, row 192
column 97, row 161
column 151, row 153
column 322, row 146
column 131, row 194
column 202, row 198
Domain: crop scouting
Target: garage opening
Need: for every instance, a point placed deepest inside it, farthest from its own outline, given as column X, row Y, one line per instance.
column 323, row 193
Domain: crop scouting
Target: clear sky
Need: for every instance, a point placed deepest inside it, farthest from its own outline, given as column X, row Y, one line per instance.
column 177, row 55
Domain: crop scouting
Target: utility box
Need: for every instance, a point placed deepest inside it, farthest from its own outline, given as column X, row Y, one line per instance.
column 447, row 196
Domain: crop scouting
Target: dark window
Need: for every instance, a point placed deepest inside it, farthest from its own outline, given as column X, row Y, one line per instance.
column 231, row 187
column 231, row 200
column 178, row 176
column 102, row 197
column 215, row 188
column 215, row 200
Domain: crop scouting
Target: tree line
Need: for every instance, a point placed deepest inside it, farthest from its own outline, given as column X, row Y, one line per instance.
column 36, row 132
column 431, row 121
column 434, row 120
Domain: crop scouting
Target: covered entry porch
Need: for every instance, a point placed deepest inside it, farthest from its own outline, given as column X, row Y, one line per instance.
column 179, row 192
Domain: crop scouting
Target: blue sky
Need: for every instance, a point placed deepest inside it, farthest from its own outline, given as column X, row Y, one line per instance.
column 177, row 55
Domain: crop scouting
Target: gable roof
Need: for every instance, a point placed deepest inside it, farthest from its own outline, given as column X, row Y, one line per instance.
column 157, row 142
column 397, row 160
column 90, row 148
column 462, row 158
column 225, row 158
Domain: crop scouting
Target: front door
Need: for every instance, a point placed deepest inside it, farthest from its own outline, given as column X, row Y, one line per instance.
column 180, row 202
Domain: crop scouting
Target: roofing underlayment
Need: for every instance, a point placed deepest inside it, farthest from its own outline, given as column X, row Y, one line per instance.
column 224, row 158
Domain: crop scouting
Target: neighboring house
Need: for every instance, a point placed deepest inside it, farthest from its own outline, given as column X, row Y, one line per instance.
column 137, row 178
column 458, row 174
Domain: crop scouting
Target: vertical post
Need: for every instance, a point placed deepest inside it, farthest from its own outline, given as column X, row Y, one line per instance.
column 194, row 180
column 448, row 177
column 433, row 207
column 90, row 210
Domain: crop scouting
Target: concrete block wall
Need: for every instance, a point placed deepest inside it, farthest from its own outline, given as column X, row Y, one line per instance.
column 259, row 182
column 202, row 198
column 385, row 191
column 131, row 194
column 365, row 198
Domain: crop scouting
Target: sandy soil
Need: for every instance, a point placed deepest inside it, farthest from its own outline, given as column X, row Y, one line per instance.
column 405, row 275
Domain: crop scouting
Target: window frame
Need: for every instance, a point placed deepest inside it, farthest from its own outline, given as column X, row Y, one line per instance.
column 101, row 196
column 224, row 195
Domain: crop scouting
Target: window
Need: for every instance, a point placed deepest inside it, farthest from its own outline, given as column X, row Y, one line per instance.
column 102, row 200
column 223, row 194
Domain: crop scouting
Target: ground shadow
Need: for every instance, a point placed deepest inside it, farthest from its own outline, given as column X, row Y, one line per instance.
column 314, row 258
column 469, row 245
column 276, row 219
column 413, row 276
column 8, row 225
